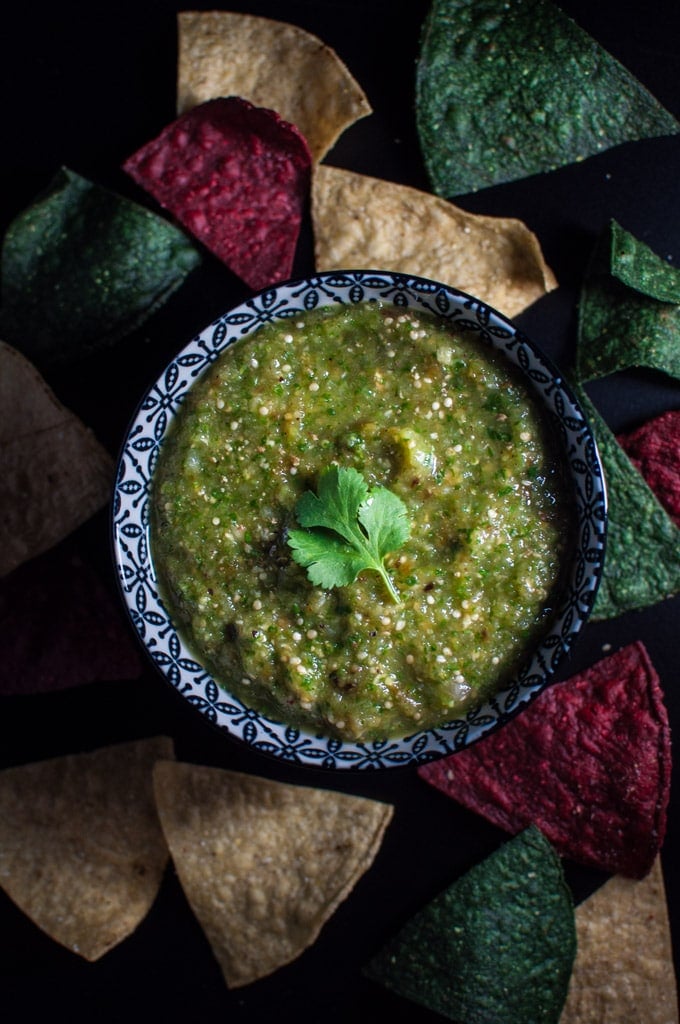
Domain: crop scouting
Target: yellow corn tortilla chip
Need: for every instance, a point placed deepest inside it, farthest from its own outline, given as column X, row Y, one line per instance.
column 54, row 474
column 365, row 223
column 271, row 64
column 81, row 849
column 624, row 965
column 263, row 864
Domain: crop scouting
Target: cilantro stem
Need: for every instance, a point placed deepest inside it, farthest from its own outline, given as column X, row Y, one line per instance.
column 393, row 592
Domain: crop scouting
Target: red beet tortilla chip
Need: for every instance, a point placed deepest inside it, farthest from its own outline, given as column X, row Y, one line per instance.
column 237, row 177
column 654, row 450
column 61, row 627
column 588, row 762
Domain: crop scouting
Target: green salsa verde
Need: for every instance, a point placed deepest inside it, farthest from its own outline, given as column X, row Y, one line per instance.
column 432, row 414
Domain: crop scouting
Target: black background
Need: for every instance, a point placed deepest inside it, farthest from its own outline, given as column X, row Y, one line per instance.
column 85, row 87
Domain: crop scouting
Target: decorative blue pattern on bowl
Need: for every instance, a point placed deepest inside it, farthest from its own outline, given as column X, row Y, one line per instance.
column 131, row 520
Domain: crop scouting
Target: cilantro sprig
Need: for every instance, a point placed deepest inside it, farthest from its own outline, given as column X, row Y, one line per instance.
column 347, row 528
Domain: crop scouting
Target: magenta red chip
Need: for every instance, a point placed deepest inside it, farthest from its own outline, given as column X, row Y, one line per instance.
column 654, row 449
column 588, row 762
column 237, row 177
column 60, row 627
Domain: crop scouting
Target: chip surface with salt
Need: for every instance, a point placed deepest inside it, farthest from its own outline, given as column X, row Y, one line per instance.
column 497, row 945
column 81, row 849
column 263, row 864
column 272, row 64
column 237, row 177
column 589, row 762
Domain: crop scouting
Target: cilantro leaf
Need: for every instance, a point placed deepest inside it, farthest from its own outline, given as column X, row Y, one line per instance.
column 348, row 528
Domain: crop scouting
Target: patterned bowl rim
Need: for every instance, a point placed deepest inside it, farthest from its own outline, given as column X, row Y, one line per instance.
column 130, row 520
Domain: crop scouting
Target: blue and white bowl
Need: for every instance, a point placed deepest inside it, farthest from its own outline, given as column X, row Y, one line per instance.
column 137, row 577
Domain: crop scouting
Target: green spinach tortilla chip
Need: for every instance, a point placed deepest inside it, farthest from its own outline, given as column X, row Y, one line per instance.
column 81, row 848
column 497, row 945
column 506, row 90
column 642, row 562
column 83, row 267
column 629, row 310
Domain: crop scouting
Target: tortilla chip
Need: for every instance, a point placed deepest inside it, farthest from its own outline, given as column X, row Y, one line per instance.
column 500, row 94
column 642, row 562
column 237, row 177
column 629, row 310
column 654, row 450
column 588, row 762
column 363, row 223
column 624, row 965
column 60, row 627
column 271, row 64
column 54, row 474
column 83, row 267
column 498, row 945
column 81, row 849
column 263, row 864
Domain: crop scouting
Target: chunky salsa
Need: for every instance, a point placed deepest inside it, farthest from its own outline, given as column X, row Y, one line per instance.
column 430, row 413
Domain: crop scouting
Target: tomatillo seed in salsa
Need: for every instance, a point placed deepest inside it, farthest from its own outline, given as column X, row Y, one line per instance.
column 433, row 415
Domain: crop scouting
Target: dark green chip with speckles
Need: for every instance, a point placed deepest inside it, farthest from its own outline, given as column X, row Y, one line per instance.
column 498, row 945
column 506, row 90
column 83, row 267
column 642, row 563
column 629, row 310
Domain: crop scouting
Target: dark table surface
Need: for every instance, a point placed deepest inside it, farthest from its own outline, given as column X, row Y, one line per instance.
column 85, row 87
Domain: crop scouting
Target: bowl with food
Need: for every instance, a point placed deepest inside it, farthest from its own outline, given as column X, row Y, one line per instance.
column 359, row 520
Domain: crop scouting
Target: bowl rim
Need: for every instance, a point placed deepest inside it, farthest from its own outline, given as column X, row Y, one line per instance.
column 131, row 547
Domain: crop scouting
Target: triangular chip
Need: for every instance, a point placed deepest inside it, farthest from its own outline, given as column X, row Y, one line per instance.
column 271, row 64
column 60, row 627
column 83, row 267
column 498, row 945
column 363, row 223
column 624, row 965
column 629, row 310
column 505, row 90
column 642, row 563
column 654, row 450
column 81, row 849
column 263, row 864
column 237, row 177
column 54, row 474
column 588, row 761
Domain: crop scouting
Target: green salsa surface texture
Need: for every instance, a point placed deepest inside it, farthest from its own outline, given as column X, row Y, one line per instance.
column 434, row 416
